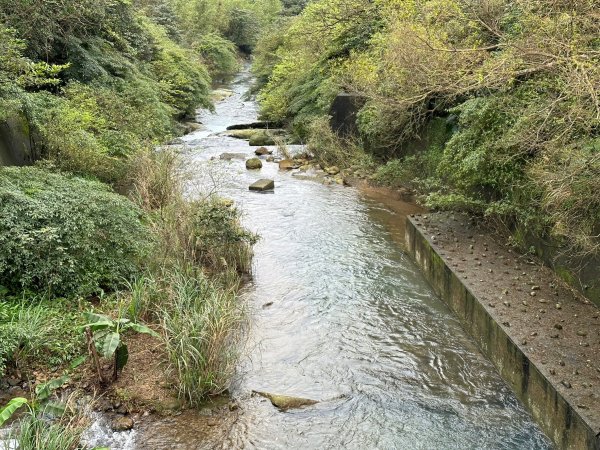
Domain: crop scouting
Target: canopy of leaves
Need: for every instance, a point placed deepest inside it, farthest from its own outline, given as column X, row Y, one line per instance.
column 523, row 77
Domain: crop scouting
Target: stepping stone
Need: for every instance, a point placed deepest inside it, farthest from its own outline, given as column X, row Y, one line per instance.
column 263, row 185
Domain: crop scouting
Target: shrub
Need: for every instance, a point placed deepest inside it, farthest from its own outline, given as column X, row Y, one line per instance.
column 66, row 235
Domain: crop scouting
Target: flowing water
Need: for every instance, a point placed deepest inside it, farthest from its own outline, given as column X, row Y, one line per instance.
column 352, row 323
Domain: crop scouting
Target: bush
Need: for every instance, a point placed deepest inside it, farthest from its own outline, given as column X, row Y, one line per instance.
column 66, row 235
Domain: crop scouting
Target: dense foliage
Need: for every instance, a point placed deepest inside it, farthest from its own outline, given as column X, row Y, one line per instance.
column 66, row 235
column 518, row 82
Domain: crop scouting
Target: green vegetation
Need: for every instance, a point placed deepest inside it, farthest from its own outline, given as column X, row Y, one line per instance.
column 65, row 235
column 106, row 333
column 516, row 82
column 100, row 228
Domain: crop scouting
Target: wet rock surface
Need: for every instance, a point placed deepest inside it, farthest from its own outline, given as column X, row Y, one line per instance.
column 122, row 423
column 285, row 402
column 263, row 185
column 253, row 164
column 555, row 327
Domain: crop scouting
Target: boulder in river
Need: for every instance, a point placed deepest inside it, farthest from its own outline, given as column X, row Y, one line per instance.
column 263, row 151
column 288, row 164
column 285, row 402
column 242, row 134
column 261, row 138
column 254, row 164
column 263, row 185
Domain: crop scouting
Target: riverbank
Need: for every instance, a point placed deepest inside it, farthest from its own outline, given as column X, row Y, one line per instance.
column 541, row 335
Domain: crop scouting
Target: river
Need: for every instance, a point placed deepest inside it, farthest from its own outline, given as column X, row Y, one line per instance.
column 352, row 323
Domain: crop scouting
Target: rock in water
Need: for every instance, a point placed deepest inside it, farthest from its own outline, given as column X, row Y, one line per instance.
column 253, row 164
column 122, row 423
column 263, row 185
column 285, row 402
column 288, row 164
column 261, row 138
column 262, row 151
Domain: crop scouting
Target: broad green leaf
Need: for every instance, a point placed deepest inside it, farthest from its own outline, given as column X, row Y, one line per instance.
column 10, row 408
column 111, row 342
column 124, row 321
column 93, row 317
column 77, row 362
column 44, row 390
column 121, row 356
column 142, row 329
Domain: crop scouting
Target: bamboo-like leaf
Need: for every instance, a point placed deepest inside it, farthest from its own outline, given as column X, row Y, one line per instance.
column 111, row 342
column 10, row 408
column 121, row 356
column 142, row 329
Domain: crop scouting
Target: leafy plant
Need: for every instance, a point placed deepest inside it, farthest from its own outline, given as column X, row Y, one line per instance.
column 66, row 235
column 106, row 334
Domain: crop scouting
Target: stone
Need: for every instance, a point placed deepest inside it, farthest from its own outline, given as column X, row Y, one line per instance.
column 285, row 402
column 122, row 423
column 254, row 164
column 333, row 170
column 270, row 159
column 288, row 164
column 263, row 185
column 261, row 138
column 263, row 151
column 230, row 156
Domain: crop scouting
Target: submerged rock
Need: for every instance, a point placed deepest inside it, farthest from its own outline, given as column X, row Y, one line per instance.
column 253, row 164
column 285, row 402
column 230, row 156
column 263, row 185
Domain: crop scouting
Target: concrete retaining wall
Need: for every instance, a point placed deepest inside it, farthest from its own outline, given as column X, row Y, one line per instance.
column 553, row 413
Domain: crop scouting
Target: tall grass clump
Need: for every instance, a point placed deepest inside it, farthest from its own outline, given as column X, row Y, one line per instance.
column 37, row 330
column 35, row 433
column 203, row 324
